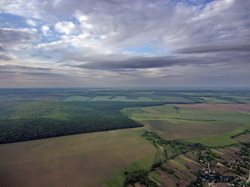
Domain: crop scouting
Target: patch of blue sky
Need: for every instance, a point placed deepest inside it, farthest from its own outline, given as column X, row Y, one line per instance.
column 73, row 20
column 12, row 21
column 50, row 37
column 45, row 55
column 199, row 3
column 195, row 2
column 37, row 54
column 208, row 1
column 146, row 50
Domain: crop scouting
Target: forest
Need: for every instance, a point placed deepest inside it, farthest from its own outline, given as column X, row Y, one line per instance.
column 20, row 121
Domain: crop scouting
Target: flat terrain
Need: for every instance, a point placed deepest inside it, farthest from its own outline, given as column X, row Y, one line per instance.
column 212, row 125
column 76, row 160
column 146, row 98
column 220, row 107
column 213, row 100
column 243, row 138
column 30, row 120
column 170, row 155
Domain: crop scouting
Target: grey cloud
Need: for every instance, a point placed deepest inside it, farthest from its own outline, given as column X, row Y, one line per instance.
column 2, row 49
column 8, row 71
column 11, row 36
column 5, row 57
column 26, row 68
column 122, row 63
column 44, row 74
column 6, row 74
column 142, row 62
column 41, row 55
column 215, row 48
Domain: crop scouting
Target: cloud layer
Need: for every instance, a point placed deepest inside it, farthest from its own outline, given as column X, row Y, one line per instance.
column 125, row 43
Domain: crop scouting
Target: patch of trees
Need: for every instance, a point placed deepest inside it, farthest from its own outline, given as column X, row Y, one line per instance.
column 230, row 99
column 172, row 147
column 22, row 121
column 209, row 156
column 195, row 184
column 239, row 172
column 138, row 176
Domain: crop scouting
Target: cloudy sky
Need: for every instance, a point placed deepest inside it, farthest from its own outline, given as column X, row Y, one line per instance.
column 124, row 43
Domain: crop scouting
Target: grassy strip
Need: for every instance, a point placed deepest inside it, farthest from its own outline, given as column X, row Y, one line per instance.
column 219, row 140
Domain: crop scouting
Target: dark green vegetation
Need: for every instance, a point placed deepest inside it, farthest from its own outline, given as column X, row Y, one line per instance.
column 42, row 119
column 139, row 176
column 172, row 148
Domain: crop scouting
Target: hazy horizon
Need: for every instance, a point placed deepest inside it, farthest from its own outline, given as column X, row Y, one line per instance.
column 125, row 44
column 140, row 88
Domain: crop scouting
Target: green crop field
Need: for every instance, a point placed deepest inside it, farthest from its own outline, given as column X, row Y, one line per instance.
column 210, row 127
column 223, row 139
column 77, row 98
column 133, row 98
column 77, row 160
column 213, row 100
column 177, row 164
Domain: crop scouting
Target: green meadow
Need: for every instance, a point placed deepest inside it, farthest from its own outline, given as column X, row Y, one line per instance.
column 135, row 98
column 209, row 127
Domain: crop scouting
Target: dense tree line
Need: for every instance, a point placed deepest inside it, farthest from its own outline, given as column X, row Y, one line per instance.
column 138, row 176
column 21, row 121
column 172, row 147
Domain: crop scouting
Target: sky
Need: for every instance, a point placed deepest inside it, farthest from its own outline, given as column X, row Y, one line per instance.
column 124, row 43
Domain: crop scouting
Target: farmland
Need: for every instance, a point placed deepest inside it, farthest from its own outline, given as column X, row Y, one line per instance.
column 76, row 160
column 67, row 137
column 210, row 127
column 193, row 165
column 219, row 107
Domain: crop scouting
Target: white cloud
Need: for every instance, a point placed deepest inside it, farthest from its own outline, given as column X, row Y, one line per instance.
column 31, row 22
column 80, row 17
column 83, row 20
column 87, row 25
column 45, row 30
column 66, row 27
column 22, row 8
column 52, row 46
column 214, row 8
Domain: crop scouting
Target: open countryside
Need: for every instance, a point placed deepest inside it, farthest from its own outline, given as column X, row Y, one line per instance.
column 157, row 142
